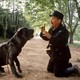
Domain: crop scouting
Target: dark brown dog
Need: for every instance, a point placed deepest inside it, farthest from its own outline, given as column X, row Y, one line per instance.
column 11, row 49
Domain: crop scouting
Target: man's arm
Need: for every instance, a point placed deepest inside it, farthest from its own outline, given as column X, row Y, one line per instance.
column 60, row 38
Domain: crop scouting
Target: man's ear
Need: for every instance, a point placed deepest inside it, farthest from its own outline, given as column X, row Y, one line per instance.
column 59, row 20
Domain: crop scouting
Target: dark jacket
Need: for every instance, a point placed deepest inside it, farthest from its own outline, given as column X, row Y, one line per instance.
column 58, row 42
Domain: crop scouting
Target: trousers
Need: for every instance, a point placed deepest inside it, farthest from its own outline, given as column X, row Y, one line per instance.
column 59, row 67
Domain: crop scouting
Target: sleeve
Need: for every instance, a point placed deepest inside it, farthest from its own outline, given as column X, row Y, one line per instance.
column 60, row 38
column 43, row 37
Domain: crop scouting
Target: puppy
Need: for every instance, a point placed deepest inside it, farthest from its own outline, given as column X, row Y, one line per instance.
column 12, row 48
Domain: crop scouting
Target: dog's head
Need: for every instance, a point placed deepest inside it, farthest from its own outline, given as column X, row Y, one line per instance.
column 25, row 33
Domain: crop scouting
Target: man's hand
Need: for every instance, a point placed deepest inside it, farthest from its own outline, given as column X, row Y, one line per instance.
column 45, row 33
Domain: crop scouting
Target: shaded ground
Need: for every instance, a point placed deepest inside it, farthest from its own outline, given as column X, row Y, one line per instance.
column 34, row 60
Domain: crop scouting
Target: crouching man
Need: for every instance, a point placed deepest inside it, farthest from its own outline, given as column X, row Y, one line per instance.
column 59, row 51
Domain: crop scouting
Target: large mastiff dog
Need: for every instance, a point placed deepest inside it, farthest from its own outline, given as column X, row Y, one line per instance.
column 11, row 49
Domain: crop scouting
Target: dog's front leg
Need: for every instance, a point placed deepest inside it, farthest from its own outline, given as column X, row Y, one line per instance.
column 18, row 65
column 13, row 69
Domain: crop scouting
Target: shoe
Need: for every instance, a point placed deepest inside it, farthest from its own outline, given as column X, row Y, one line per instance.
column 76, row 70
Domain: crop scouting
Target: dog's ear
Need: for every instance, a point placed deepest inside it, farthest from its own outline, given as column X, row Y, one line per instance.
column 19, row 33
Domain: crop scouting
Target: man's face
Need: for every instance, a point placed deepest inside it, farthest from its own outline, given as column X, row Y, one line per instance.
column 55, row 21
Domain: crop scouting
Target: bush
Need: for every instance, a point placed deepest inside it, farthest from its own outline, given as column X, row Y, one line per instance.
column 10, row 32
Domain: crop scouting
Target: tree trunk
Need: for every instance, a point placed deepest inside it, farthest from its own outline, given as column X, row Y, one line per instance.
column 71, row 38
column 5, row 29
column 78, row 8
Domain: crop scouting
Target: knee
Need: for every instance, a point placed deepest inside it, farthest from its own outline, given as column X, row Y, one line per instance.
column 60, row 74
column 50, row 70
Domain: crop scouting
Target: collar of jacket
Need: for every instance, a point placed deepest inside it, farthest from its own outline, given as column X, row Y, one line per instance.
column 58, row 28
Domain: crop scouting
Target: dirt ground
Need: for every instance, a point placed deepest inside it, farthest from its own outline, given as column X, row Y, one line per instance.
column 34, row 60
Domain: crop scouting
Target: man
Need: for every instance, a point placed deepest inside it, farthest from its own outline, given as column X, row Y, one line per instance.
column 58, row 43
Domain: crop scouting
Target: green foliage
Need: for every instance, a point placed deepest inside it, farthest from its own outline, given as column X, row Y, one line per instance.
column 39, row 11
column 11, row 19
column 36, row 13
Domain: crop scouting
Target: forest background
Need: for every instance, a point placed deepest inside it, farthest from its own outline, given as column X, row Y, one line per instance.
column 34, row 13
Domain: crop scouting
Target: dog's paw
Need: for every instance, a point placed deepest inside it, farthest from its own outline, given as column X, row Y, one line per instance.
column 18, row 76
column 2, row 74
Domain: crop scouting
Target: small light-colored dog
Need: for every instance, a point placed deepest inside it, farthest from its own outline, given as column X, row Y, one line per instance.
column 12, row 48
